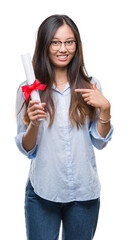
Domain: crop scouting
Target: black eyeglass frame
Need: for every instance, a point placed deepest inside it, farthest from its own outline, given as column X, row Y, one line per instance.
column 60, row 42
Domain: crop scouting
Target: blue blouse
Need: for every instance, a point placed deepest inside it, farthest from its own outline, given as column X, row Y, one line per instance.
column 63, row 165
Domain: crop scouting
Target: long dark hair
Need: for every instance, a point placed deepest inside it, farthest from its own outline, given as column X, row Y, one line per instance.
column 77, row 74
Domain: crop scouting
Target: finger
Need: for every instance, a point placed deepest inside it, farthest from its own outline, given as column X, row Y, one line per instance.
column 31, row 102
column 43, row 104
column 35, row 107
column 86, row 99
column 37, row 112
column 85, row 95
column 35, row 118
column 89, row 103
column 83, row 90
column 94, row 85
column 39, row 115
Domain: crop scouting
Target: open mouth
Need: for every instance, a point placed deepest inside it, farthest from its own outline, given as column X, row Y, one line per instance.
column 62, row 57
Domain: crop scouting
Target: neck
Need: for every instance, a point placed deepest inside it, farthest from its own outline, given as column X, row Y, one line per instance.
column 60, row 76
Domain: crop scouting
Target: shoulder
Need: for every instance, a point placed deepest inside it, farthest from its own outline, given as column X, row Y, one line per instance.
column 20, row 99
column 20, row 86
column 19, row 90
column 93, row 80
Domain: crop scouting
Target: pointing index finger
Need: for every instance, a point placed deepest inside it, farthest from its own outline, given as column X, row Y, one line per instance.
column 83, row 90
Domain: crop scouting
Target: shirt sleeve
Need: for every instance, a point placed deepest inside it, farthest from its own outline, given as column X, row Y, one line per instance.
column 97, row 140
column 21, row 127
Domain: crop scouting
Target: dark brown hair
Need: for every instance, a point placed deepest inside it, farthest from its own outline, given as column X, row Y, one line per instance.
column 77, row 74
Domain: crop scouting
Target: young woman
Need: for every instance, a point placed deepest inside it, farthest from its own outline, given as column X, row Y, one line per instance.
column 63, row 182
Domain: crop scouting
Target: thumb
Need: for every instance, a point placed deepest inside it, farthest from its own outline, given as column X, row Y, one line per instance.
column 43, row 104
column 94, row 85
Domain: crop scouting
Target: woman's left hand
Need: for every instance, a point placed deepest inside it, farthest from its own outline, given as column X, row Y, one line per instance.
column 94, row 97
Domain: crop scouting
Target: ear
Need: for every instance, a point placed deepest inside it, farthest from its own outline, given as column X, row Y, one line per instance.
column 94, row 85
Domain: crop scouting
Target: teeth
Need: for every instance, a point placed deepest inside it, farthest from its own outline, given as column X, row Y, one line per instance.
column 62, row 56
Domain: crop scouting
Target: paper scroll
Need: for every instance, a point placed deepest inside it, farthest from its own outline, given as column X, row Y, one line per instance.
column 30, row 75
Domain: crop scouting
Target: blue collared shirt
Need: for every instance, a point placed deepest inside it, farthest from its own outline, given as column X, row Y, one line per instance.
column 63, row 165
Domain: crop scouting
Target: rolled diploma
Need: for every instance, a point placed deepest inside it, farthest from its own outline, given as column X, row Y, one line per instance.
column 30, row 75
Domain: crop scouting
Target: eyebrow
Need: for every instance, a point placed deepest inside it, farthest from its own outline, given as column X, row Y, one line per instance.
column 66, row 38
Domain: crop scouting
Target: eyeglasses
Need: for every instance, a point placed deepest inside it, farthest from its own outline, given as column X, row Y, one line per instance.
column 56, row 45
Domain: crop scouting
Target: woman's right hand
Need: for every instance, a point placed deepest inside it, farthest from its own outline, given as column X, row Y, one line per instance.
column 36, row 111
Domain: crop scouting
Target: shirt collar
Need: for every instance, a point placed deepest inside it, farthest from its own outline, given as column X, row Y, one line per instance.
column 67, row 87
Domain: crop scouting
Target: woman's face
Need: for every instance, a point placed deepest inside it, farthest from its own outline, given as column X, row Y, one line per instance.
column 62, row 53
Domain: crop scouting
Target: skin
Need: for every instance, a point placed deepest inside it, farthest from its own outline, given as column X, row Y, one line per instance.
column 96, row 99
column 63, row 34
column 60, row 60
column 35, row 111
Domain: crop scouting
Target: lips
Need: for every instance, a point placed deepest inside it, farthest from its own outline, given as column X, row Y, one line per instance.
column 62, row 57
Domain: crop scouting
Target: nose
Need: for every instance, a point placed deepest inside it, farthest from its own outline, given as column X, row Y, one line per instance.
column 63, row 48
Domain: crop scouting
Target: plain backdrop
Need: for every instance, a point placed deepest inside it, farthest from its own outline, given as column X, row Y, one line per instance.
column 103, row 28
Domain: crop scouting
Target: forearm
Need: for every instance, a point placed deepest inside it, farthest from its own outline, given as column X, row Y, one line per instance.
column 30, row 137
column 104, row 128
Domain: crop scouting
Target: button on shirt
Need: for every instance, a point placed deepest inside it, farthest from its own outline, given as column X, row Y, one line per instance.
column 63, row 166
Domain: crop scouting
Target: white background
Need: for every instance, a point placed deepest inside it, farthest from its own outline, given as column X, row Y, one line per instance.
column 103, row 28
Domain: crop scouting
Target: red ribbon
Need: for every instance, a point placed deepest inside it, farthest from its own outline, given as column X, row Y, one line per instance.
column 27, row 89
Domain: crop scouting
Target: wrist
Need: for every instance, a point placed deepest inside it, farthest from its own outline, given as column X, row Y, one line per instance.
column 104, row 120
column 35, row 124
column 105, row 112
column 105, row 109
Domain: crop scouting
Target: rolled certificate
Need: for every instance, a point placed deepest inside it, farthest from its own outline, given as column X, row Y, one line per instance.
column 30, row 75
column 33, row 84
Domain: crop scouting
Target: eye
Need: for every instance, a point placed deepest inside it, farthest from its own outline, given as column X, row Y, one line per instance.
column 55, row 43
column 70, row 42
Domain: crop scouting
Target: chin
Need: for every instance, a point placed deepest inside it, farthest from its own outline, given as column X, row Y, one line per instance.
column 60, row 65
